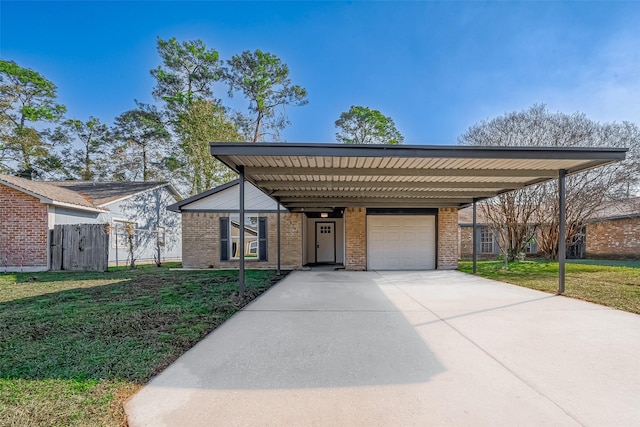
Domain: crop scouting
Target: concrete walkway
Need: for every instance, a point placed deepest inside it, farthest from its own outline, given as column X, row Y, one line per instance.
column 431, row 348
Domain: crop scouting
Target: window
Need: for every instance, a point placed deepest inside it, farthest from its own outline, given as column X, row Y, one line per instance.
column 251, row 237
column 531, row 247
column 325, row 229
column 486, row 240
column 122, row 231
column 161, row 236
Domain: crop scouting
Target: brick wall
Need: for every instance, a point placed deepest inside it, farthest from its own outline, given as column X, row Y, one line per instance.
column 24, row 229
column 447, row 238
column 614, row 239
column 355, row 228
column 201, row 241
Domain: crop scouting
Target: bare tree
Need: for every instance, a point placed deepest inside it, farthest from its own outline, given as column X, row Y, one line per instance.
column 512, row 218
column 155, row 228
column 586, row 191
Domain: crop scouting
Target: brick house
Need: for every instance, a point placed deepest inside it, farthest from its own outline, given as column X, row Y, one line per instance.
column 30, row 209
column 210, row 230
column 211, row 233
column 362, row 207
column 613, row 232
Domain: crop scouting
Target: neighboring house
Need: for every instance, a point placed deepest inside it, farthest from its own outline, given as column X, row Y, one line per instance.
column 30, row 209
column 486, row 239
column 613, row 232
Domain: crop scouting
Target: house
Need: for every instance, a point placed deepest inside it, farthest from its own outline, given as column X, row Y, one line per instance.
column 211, row 229
column 30, row 209
column 359, row 207
column 612, row 232
column 487, row 241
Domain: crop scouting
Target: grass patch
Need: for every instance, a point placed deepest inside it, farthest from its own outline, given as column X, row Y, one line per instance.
column 607, row 262
column 75, row 346
column 613, row 286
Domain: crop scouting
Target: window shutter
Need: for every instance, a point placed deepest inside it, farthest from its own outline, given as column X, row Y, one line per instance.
column 224, row 238
column 262, row 235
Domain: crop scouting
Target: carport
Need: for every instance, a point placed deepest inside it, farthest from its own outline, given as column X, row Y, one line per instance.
column 310, row 177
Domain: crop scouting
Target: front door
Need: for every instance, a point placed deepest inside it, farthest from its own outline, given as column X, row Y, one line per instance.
column 325, row 242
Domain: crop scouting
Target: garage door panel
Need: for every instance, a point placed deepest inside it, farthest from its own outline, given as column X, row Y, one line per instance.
column 401, row 242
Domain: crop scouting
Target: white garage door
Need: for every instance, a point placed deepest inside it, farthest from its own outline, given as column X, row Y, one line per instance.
column 401, row 242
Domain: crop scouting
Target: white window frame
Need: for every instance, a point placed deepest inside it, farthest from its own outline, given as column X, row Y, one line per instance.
column 161, row 231
column 119, row 225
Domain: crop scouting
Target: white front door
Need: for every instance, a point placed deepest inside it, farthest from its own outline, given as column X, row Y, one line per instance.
column 325, row 242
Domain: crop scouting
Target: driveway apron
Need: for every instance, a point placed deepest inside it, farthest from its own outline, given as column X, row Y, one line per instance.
column 427, row 348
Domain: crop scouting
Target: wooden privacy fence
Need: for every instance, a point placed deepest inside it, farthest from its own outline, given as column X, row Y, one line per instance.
column 80, row 247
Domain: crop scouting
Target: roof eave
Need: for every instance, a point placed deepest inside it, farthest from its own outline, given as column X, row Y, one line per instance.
column 169, row 186
column 77, row 207
column 417, row 151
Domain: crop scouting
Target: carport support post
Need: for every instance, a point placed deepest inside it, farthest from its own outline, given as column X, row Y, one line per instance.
column 278, row 266
column 562, row 230
column 241, row 232
column 474, row 239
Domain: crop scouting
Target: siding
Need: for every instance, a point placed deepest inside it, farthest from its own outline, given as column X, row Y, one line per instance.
column 148, row 210
column 228, row 200
column 72, row 216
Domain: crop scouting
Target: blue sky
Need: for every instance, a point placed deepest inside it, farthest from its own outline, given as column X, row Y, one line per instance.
column 435, row 67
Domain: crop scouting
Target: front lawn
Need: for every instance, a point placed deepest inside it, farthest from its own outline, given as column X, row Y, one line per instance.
column 75, row 346
column 613, row 286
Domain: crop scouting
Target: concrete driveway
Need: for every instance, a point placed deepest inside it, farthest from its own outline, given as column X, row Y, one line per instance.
column 426, row 348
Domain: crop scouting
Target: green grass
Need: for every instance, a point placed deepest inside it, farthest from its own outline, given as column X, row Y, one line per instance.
column 75, row 346
column 613, row 286
column 607, row 262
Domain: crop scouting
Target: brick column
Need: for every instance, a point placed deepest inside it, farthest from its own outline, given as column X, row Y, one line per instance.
column 291, row 243
column 355, row 228
column 447, row 238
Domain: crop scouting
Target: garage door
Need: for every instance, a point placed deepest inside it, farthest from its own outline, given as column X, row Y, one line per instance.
column 401, row 242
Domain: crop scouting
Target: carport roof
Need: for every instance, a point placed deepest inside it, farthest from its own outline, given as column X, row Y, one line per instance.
column 317, row 177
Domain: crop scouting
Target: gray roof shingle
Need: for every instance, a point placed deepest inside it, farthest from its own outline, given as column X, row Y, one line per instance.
column 103, row 193
column 87, row 194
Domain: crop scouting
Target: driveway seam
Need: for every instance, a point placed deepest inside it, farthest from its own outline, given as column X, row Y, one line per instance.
column 523, row 380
